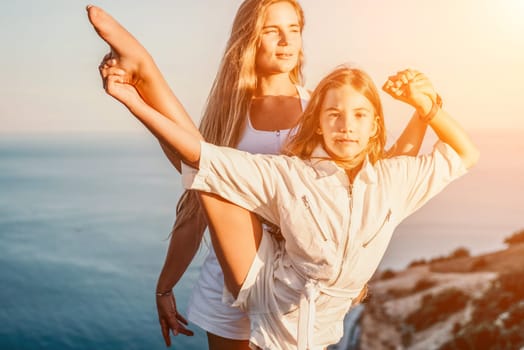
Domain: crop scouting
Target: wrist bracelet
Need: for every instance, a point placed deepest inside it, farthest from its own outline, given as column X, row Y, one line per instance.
column 435, row 107
column 164, row 294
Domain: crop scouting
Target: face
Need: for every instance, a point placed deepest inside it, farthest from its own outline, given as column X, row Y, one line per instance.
column 347, row 121
column 280, row 40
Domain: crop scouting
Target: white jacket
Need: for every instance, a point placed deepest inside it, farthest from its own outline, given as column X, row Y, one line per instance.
column 335, row 233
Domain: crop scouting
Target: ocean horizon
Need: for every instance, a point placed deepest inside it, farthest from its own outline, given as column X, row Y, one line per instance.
column 84, row 221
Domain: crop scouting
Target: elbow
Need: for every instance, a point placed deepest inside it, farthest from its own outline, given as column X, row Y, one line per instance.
column 472, row 158
column 411, row 151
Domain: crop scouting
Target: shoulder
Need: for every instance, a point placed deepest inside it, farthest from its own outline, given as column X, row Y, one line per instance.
column 441, row 162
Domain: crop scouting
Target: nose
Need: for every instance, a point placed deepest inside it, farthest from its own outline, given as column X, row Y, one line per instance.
column 346, row 124
column 284, row 39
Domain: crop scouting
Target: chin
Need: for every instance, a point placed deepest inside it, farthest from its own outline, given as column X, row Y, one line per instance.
column 348, row 156
column 286, row 67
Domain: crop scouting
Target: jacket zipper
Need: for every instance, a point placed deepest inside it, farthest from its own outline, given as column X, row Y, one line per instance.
column 388, row 216
column 347, row 242
column 319, row 227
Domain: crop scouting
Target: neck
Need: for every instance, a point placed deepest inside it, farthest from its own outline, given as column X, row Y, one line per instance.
column 352, row 166
column 352, row 172
column 275, row 85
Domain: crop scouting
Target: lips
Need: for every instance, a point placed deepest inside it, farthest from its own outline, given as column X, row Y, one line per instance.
column 345, row 140
column 284, row 55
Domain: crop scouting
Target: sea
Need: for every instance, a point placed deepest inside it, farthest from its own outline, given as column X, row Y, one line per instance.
column 85, row 218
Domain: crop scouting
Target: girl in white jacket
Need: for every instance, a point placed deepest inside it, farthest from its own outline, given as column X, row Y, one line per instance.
column 335, row 198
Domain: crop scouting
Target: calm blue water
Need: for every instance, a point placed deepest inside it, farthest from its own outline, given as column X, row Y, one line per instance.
column 83, row 227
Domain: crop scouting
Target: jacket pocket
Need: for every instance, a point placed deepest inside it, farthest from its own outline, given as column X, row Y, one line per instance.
column 317, row 223
column 370, row 239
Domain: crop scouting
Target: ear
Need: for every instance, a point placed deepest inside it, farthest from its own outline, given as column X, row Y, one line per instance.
column 319, row 131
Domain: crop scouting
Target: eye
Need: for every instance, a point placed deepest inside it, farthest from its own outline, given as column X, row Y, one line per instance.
column 361, row 115
column 270, row 31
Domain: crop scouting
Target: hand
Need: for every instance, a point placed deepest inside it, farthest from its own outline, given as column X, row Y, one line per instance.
column 112, row 63
column 412, row 87
column 126, row 53
column 116, row 87
column 169, row 318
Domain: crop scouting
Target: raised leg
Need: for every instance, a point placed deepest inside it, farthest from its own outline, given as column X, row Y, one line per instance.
column 235, row 234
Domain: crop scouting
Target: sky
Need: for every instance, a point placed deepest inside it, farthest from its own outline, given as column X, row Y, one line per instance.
column 472, row 50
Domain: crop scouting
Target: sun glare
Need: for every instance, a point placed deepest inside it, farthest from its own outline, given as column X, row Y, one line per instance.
column 512, row 13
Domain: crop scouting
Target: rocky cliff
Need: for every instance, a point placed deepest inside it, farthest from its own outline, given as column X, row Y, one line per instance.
column 456, row 302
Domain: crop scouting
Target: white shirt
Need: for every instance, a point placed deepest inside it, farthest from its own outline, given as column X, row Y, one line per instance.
column 335, row 233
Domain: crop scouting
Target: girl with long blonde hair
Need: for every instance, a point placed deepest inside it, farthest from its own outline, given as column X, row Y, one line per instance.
column 255, row 102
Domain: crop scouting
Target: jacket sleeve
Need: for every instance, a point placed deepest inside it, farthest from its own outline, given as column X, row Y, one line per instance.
column 416, row 180
column 248, row 180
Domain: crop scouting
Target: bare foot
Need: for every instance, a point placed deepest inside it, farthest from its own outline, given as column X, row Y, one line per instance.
column 126, row 52
column 140, row 70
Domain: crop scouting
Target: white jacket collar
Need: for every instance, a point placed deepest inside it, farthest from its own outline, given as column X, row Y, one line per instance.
column 324, row 166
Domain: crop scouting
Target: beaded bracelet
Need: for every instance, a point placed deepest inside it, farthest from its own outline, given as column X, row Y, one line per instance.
column 435, row 106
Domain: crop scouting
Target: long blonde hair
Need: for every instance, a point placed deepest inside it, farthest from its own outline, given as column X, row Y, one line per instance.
column 224, row 118
column 306, row 139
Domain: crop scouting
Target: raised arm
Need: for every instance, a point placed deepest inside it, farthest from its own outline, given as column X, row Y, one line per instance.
column 411, row 138
column 449, row 131
column 414, row 91
column 140, row 70
column 248, row 180
column 172, row 132
column 409, row 142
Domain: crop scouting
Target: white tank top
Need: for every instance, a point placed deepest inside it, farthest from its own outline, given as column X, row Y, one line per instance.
column 269, row 142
